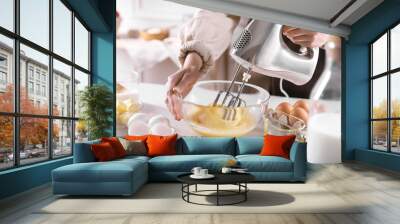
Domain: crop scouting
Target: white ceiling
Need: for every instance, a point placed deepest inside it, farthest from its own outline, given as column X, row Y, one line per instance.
column 318, row 15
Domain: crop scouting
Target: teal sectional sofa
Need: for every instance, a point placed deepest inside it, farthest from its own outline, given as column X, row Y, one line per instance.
column 125, row 176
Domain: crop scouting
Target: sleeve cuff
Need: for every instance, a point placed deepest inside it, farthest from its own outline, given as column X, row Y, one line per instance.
column 199, row 48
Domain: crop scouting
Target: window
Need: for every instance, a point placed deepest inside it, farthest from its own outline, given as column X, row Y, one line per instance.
column 37, row 89
column 34, row 22
column 6, row 73
column 395, row 48
column 62, row 30
column 55, row 96
column 3, row 61
column 3, row 81
column 33, row 147
column 30, row 87
column 62, row 137
column 44, row 91
column 81, row 45
column 38, row 74
column 3, row 72
column 7, row 14
column 47, row 74
column 6, row 142
column 81, row 81
column 3, row 77
column 62, row 74
column 385, row 94
column 30, row 72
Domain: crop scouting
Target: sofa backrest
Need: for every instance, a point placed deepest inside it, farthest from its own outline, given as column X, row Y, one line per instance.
column 192, row 145
column 249, row 145
column 83, row 152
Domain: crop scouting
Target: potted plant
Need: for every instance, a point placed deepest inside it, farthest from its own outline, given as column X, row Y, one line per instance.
column 96, row 103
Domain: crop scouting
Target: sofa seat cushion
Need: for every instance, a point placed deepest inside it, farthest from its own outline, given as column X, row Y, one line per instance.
column 133, row 158
column 185, row 163
column 257, row 163
column 113, row 171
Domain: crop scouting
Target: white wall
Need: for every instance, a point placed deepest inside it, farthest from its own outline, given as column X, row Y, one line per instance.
column 141, row 14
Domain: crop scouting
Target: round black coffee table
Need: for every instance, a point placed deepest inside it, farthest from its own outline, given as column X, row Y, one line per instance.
column 238, row 179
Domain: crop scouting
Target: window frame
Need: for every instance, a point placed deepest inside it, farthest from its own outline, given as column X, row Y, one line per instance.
column 388, row 74
column 16, row 115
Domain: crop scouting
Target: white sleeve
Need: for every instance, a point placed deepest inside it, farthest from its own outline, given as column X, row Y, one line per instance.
column 208, row 34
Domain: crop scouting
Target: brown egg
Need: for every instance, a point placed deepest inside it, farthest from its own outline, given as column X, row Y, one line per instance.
column 282, row 111
column 284, row 107
column 302, row 104
column 299, row 113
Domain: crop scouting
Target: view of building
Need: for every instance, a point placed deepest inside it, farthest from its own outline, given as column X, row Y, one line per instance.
column 35, row 80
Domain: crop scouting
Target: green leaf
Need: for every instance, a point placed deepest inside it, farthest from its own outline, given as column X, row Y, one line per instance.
column 97, row 103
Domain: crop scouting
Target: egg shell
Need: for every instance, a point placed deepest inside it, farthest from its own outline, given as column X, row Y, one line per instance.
column 132, row 108
column 123, row 118
column 138, row 128
column 298, row 125
column 302, row 104
column 284, row 107
column 121, row 107
column 298, row 113
column 128, row 95
column 137, row 117
column 283, row 119
column 161, row 129
column 158, row 119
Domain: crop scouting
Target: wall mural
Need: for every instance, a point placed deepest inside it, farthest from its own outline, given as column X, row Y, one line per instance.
column 195, row 72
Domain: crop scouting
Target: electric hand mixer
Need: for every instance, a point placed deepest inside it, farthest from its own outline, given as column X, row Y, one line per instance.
column 261, row 48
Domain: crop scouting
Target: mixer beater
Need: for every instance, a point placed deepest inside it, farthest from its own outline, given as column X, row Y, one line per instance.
column 231, row 101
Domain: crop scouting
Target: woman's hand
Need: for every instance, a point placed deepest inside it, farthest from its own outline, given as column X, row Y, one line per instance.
column 305, row 38
column 181, row 82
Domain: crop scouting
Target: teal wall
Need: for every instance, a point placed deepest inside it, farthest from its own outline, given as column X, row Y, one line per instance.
column 103, row 53
column 381, row 159
column 356, row 102
column 24, row 178
column 355, row 84
column 103, row 66
column 99, row 16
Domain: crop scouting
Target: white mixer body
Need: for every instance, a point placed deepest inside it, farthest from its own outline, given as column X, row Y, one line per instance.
column 263, row 50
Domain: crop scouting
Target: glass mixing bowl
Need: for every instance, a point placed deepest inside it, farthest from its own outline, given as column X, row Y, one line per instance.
column 208, row 120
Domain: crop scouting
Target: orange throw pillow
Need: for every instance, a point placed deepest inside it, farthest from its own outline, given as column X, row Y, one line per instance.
column 142, row 138
column 277, row 145
column 103, row 152
column 161, row 145
column 116, row 145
